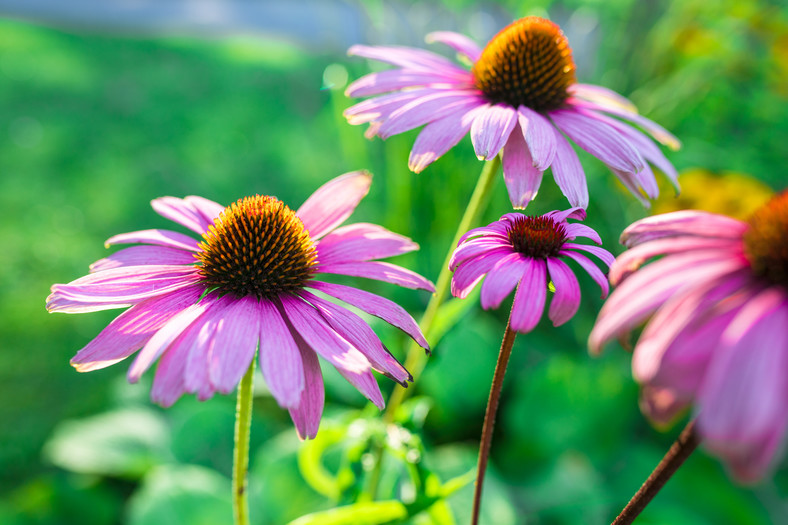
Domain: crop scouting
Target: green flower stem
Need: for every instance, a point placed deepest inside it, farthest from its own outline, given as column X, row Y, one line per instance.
column 489, row 416
column 416, row 359
column 680, row 450
column 243, row 422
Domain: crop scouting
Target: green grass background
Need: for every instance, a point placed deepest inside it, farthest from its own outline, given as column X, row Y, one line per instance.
column 94, row 125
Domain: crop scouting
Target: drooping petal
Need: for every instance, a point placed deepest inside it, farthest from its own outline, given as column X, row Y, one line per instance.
column 347, row 359
column 604, row 255
column 333, row 202
column 168, row 383
column 143, row 255
column 568, row 173
column 598, row 139
column 157, row 237
column 235, row 344
column 381, row 107
column 362, row 242
column 306, row 414
column 280, row 359
column 460, row 43
column 530, row 297
column 566, row 300
column 539, row 136
column 208, row 209
column 682, row 223
column 661, row 405
column 381, row 271
column 165, row 336
column 575, row 230
column 128, row 332
column 440, row 136
column 468, row 274
column 521, row 177
column 375, row 305
column 602, row 95
column 502, row 279
column 355, row 330
column 474, row 248
column 491, row 129
column 590, row 268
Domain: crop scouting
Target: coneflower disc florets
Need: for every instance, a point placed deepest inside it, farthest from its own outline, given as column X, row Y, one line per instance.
column 537, row 237
column 259, row 247
column 766, row 241
column 528, row 63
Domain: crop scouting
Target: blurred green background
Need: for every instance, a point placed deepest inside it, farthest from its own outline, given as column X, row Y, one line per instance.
column 99, row 117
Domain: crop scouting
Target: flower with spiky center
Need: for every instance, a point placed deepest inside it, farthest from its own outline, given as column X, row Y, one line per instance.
column 203, row 307
column 519, row 99
column 716, row 306
column 528, row 253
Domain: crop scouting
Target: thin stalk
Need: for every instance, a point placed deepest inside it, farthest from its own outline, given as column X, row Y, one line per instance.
column 680, row 450
column 489, row 416
column 243, row 422
column 416, row 359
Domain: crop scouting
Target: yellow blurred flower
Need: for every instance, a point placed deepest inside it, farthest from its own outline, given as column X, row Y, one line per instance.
column 734, row 194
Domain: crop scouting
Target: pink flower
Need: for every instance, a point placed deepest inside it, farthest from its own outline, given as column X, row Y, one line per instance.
column 202, row 307
column 716, row 307
column 520, row 98
column 530, row 251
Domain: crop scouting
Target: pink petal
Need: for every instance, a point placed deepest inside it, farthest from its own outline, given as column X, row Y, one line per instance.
column 581, row 230
column 396, row 79
column 429, row 108
column 460, row 43
column 502, row 279
column 646, row 290
column 604, row 255
column 375, row 305
column 521, row 177
column 496, row 230
column 602, row 95
column 598, row 139
column 540, row 136
column 165, row 336
column 347, row 359
column 157, row 237
column 406, row 57
column 566, row 300
column 491, row 129
column 183, row 212
column 654, row 129
column 119, row 287
column 590, row 268
column 143, row 255
column 632, row 259
column 280, row 359
column 530, row 297
column 440, row 136
column 381, row 271
column 333, row 202
column 306, row 414
column 197, row 376
column 661, row 405
column 682, row 223
column 576, row 212
column 355, row 330
column 362, row 242
column 568, row 173
column 381, row 107
column 475, row 248
column 129, row 331
column 235, row 344
column 168, row 383
column 208, row 209
column 470, row 272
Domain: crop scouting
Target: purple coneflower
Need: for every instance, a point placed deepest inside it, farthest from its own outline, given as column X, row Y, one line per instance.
column 530, row 251
column 527, row 253
column 716, row 307
column 202, row 306
column 519, row 98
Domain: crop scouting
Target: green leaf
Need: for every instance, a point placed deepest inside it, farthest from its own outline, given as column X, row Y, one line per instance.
column 126, row 442
column 366, row 513
column 181, row 495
